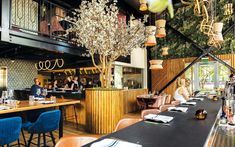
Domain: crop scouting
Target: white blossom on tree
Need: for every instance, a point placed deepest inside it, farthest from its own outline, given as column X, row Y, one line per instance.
column 106, row 37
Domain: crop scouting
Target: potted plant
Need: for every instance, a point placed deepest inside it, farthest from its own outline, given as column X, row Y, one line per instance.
column 103, row 31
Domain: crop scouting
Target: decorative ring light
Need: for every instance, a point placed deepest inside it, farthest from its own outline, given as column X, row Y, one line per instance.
column 47, row 65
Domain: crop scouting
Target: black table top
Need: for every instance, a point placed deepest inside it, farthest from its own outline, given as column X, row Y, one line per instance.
column 183, row 131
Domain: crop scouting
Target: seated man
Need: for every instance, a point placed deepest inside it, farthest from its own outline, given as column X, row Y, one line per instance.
column 36, row 90
column 181, row 93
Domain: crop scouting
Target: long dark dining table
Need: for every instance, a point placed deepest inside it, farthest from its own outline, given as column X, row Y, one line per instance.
column 25, row 106
column 183, row 131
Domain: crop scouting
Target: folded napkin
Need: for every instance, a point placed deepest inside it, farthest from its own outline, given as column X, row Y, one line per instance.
column 46, row 102
column 196, row 98
column 178, row 109
column 4, row 107
column 158, row 118
column 108, row 142
column 189, row 103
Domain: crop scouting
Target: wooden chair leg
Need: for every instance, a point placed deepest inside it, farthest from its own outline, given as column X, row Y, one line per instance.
column 22, row 132
column 75, row 113
column 39, row 138
column 30, row 139
column 52, row 138
column 44, row 140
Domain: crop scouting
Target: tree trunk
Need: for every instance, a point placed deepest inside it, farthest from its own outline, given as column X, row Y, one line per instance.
column 105, row 76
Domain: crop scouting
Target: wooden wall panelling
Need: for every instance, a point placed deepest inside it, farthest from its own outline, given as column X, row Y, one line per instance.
column 129, row 96
column 173, row 66
column 80, row 111
column 104, row 110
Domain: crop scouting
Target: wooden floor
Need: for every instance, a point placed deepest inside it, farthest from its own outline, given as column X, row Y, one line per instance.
column 69, row 129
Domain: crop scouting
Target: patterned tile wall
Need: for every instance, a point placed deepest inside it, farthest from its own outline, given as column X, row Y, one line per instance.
column 20, row 73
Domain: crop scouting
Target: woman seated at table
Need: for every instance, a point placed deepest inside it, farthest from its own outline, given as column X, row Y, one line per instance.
column 181, row 93
column 187, row 85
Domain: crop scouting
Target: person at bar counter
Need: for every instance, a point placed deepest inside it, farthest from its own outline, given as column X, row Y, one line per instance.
column 181, row 94
column 70, row 84
column 77, row 84
column 36, row 90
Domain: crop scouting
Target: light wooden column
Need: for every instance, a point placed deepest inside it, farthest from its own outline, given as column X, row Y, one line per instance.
column 104, row 108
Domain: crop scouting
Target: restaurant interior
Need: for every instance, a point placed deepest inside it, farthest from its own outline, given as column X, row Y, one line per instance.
column 105, row 73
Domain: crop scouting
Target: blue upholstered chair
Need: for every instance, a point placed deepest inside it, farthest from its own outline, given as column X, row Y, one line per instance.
column 10, row 130
column 46, row 123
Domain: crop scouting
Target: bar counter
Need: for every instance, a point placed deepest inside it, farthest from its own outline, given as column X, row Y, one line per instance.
column 184, row 130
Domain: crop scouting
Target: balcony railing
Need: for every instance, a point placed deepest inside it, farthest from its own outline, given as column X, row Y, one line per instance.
column 39, row 17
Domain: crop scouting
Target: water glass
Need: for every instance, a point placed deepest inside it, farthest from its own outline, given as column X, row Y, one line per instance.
column 4, row 96
column 31, row 100
column 10, row 94
column 53, row 98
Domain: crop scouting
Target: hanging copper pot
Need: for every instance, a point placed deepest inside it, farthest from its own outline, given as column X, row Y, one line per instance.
column 56, row 28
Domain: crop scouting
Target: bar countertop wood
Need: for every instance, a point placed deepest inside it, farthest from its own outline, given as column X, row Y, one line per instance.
column 25, row 106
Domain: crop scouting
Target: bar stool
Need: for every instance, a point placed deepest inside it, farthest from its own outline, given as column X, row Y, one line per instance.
column 10, row 130
column 46, row 123
column 71, row 116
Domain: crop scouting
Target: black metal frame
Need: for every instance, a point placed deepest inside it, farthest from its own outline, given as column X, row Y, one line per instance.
column 205, row 51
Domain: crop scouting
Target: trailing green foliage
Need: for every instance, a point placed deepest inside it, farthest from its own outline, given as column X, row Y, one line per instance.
column 188, row 24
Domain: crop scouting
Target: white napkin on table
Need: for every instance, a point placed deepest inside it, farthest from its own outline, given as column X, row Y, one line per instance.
column 4, row 107
column 158, row 118
column 189, row 103
column 46, row 102
column 178, row 109
column 196, row 98
column 108, row 142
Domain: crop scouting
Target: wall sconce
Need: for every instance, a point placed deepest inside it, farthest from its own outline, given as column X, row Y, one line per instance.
column 160, row 24
column 151, row 40
column 155, row 64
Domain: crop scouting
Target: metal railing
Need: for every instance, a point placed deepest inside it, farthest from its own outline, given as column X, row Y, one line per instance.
column 42, row 18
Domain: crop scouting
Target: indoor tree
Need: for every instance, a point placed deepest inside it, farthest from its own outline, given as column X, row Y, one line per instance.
column 106, row 36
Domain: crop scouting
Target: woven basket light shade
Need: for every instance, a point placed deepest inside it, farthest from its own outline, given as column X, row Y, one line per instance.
column 143, row 5
column 155, row 64
column 217, row 29
column 228, row 9
column 151, row 40
column 160, row 24
column 165, row 51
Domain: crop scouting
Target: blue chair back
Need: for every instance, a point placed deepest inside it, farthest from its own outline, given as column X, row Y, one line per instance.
column 10, row 129
column 46, row 122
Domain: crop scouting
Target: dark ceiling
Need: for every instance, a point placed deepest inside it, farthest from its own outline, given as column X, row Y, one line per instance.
column 14, row 51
